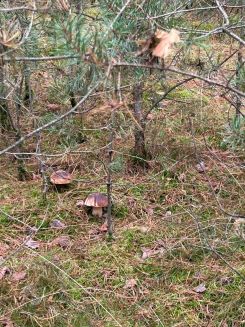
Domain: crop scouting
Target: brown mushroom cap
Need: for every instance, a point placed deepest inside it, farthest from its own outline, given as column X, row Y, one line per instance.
column 97, row 200
column 60, row 177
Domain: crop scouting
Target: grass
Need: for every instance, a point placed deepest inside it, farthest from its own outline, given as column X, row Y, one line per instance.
column 174, row 216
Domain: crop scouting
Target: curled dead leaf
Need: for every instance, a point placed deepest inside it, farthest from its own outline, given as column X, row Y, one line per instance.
column 130, row 283
column 200, row 288
column 18, row 276
column 159, row 43
column 201, row 167
column 53, row 106
column 4, row 271
column 104, row 228
column 63, row 241
column 32, row 244
column 6, row 322
column 162, row 49
column 56, row 223
column 3, row 249
column 80, row 203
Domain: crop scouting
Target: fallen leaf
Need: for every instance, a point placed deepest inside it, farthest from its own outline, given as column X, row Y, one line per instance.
column 201, row 167
column 32, row 244
column 168, row 213
column 130, row 283
column 147, row 253
column 143, row 229
column 80, row 203
column 56, row 223
column 17, row 276
column 104, row 228
column 6, row 322
column 4, row 271
column 162, row 49
column 200, row 288
column 63, row 241
column 3, row 249
column 150, row 211
column 31, row 230
column 226, row 280
column 182, row 177
column 150, row 252
column 145, row 45
column 144, row 313
column 36, row 177
column 53, row 106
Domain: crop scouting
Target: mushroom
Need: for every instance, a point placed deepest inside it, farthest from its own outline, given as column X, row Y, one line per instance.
column 60, row 177
column 97, row 201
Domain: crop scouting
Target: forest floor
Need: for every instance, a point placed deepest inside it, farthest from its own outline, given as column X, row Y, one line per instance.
column 177, row 255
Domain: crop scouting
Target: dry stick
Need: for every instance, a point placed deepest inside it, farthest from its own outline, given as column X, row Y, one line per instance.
column 109, row 176
column 34, row 59
column 233, row 35
column 42, row 168
column 223, row 12
column 190, row 10
column 240, row 63
column 181, row 72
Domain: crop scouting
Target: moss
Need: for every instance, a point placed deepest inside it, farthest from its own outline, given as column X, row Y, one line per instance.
column 120, row 211
column 138, row 190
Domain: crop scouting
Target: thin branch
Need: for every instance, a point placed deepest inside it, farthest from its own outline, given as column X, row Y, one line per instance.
column 223, row 12
column 178, row 71
column 41, row 128
column 64, row 57
column 166, row 94
column 233, row 35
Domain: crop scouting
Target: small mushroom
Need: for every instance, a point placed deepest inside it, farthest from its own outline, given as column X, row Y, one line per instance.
column 97, row 201
column 60, row 177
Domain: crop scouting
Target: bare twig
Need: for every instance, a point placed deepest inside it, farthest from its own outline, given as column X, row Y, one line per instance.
column 223, row 12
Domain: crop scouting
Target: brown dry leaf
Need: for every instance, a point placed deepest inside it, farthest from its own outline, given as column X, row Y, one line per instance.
column 53, row 106
column 6, row 322
column 143, row 229
column 104, row 228
column 130, row 283
column 150, row 211
column 201, row 168
column 147, row 253
column 144, row 313
column 91, row 57
column 32, row 244
column 57, row 224
column 4, row 271
column 80, row 203
column 3, row 249
column 162, row 49
column 200, row 288
column 145, row 46
column 10, row 34
column 36, row 177
column 17, row 276
column 63, row 241
column 182, row 177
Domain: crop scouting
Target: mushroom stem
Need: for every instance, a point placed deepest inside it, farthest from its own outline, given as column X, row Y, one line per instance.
column 97, row 211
